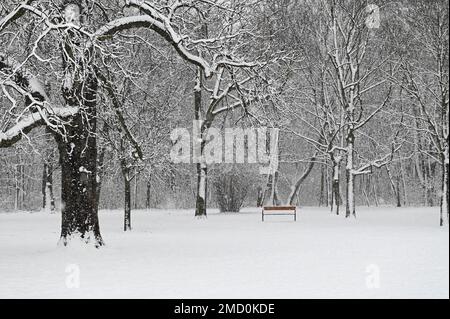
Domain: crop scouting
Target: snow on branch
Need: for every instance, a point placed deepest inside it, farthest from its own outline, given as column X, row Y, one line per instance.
column 378, row 163
column 163, row 24
column 14, row 14
column 18, row 78
column 27, row 123
column 22, row 77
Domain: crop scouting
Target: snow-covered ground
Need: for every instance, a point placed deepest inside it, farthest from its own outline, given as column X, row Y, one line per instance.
column 385, row 253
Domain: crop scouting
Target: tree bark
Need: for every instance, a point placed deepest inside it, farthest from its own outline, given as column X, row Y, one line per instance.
column 127, row 195
column 202, row 170
column 200, row 207
column 322, row 187
column 445, row 191
column 78, row 159
column 259, row 200
column 127, row 214
column 148, row 195
column 350, row 177
column 336, row 199
column 48, row 199
column 136, row 191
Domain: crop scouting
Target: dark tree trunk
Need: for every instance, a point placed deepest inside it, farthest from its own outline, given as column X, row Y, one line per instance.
column 259, row 200
column 78, row 159
column 276, row 201
column 322, row 187
column 127, row 193
column 350, row 209
column 17, row 203
column 78, row 145
column 336, row 199
column 127, row 215
column 399, row 200
column 22, row 180
column 202, row 170
column 148, row 197
column 200, row 206
column 136, row 191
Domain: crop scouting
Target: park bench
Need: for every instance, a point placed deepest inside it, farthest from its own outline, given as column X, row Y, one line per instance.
column 279, row 211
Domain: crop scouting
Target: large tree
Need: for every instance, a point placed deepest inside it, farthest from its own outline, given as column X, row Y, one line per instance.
column 69, row 41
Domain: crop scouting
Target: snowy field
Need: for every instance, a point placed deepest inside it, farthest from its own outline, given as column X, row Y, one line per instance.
column 385, row 253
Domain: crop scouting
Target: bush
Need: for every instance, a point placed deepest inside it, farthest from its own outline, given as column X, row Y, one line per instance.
column 231, row 189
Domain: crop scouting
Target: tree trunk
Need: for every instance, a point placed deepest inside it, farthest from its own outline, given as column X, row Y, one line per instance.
column 78, row 159
column 296, row 187
column 136, row 192
column 350, row 177
column 399, row 201
column 445, row 191
column 202, row 171
column 17, row 188
column 48, row 199
column 275, row 198
column 101, row 167
column 148, row 197
column 336, row 199
column 322, row 187
column 22, row 180
column 259, row 200
column 127, row 192
column 100, row 174
column 200, row 207
column 405, row 192
column 327, row 185
column 127, row 215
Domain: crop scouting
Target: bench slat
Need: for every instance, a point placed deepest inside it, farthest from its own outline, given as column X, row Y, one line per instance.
column 278, row 208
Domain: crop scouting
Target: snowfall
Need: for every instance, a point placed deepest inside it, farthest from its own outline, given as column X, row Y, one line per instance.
column 384, row 253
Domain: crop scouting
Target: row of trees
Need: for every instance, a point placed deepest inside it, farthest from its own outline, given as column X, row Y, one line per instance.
column 96, row 88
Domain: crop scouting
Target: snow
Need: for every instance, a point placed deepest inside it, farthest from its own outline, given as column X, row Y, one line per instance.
column 385, row 253
column 36, row 85
column 31, row 119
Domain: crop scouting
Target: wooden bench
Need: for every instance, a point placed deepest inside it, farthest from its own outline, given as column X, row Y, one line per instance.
column 279, row 211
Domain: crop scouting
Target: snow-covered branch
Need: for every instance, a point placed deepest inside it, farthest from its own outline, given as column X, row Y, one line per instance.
column 164, row 25
column 27, row 123
column 15, row 14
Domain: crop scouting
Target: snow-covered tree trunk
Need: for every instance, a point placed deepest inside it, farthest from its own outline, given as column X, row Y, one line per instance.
column 350, row 176
column 78, row 146
column 48, row 200
column 445, row 190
